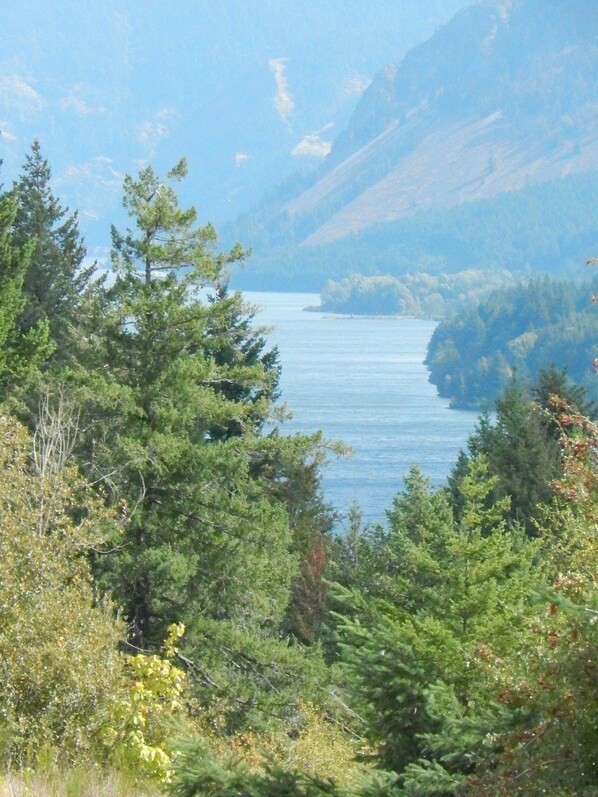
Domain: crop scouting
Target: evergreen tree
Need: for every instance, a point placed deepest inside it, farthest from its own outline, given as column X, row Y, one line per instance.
column 233, row 340
column 177, row 386
column 56, row 277
column 199, row 773
column 524, row 455
column 438, row 641
column 555, row 383
column 515, row 331
column 523, row 445
column 555, row 677
column 417, row 526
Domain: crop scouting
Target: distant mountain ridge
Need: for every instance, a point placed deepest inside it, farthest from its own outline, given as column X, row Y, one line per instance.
column 501, row 98
column 249, row 91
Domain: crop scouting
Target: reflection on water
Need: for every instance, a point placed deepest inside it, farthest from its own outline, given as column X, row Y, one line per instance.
column 363, row 381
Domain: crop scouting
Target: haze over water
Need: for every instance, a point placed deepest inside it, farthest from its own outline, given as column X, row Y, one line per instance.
column 362, row 380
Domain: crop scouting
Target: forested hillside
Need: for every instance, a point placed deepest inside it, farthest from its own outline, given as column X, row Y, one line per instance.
column 514, row 333
column 177, row 616
column 547, row 228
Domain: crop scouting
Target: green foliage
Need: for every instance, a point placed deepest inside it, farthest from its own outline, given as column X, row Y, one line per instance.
column 142, row 720
column 462, row 659
column 469, row 650
column 269, row 711
column 60, row 669
column 199, row 773
column 233, row 342
column 21, row 352
column 523, row 446
column 515, row 331
column 167, row 238
column 176, row 388
column 456, row 608
column 165, row 390
column 248, row 681
column 556, row 677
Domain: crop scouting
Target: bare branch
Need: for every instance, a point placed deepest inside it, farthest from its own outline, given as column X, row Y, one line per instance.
column 55, row 434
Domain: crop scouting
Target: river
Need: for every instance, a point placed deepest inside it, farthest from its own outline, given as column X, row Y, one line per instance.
column 362, row 380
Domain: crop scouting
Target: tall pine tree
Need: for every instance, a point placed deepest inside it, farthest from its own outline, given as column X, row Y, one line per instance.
column 177, row 386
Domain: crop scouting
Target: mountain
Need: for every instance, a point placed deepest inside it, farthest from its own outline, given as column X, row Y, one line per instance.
column 249, row 90
column 502, row 98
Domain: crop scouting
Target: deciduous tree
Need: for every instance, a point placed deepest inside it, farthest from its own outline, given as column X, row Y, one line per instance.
column 60, row 670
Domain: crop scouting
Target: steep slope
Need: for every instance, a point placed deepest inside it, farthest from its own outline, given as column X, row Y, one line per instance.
column 504, row 96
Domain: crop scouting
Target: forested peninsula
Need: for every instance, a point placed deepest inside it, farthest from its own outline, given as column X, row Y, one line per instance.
column 419, row 295
column 512, row 334
column 177, row 615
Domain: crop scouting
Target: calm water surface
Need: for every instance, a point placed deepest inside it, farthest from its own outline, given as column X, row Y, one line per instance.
column 363, row 381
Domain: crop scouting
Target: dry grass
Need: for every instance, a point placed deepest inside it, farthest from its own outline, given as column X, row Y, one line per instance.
column 74, row 783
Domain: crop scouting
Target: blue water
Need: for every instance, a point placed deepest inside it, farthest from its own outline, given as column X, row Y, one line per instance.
column 363, row 381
